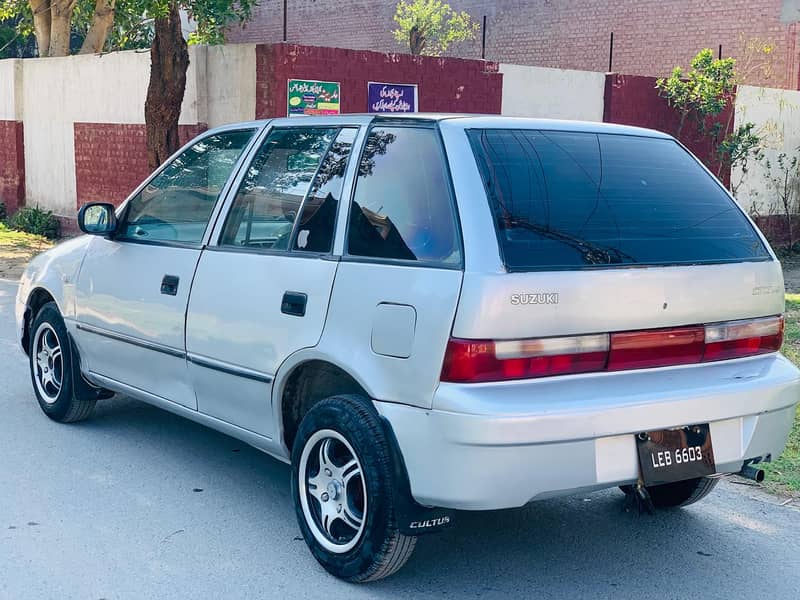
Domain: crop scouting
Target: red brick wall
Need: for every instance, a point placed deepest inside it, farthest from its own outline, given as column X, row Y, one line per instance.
column 650, row 36
column 111, row 159
column 776, row 229
column 634, row 100
column 12, row 165
column 445, row 84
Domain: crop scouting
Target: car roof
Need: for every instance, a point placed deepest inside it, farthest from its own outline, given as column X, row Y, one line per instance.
column 463, row 121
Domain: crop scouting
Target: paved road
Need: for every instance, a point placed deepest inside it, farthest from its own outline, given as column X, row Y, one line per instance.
column 112, row 508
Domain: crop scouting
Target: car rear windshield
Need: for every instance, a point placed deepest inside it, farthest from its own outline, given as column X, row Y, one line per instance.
column 565, row 199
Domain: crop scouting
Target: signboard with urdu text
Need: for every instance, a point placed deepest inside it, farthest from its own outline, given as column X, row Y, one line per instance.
column 312, row 98
column 391, row 97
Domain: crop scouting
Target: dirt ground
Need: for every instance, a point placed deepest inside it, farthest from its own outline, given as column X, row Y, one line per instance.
column 14, row 257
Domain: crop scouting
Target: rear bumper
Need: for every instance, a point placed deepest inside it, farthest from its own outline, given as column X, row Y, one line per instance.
column 500, row 445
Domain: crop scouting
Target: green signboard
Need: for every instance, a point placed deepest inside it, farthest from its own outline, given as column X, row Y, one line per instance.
column 312, row 98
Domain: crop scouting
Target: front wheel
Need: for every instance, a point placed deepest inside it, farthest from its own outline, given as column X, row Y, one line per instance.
column 343, row 490
column 52, row 370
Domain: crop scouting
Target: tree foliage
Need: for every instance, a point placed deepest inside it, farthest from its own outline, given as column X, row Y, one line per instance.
column 430, row 26
column 129, row 24
column 134, row 23
column 701, row 95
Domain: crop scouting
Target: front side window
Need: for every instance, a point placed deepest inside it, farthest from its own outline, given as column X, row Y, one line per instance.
column 177, row 204
column 273, row 190
column 402, row 207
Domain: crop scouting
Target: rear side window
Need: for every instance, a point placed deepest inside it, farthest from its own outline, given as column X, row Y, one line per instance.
column 577, row 200
column 402, row 208
column 274, row 187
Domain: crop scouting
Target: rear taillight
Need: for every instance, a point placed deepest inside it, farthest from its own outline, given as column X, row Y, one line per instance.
column 736, row 339
column 471, row 361
column 655, row 348
column 480, row 360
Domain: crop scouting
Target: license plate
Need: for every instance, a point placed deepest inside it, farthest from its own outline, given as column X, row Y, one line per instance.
column 675, row 454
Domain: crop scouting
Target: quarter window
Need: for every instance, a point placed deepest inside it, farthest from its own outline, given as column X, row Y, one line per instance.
column 402, row 208
column 274, row 187
column 177, row 204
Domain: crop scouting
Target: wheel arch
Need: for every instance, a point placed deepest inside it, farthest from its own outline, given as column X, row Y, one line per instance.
column 302, row 382
column 37, row 298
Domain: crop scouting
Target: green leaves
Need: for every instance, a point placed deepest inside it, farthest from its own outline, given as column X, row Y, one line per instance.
column 701, row 95
column 430, row 26
column 214, row 16
column 705, row 90
column 133, row 20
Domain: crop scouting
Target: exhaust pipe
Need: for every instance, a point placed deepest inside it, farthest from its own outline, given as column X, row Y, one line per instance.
column 751, row 472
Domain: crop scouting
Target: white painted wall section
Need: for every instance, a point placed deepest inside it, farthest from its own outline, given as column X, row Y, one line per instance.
column 58, row 92
column 231, row 83
column 552, row 93
column 776, row 115
column 11, row 90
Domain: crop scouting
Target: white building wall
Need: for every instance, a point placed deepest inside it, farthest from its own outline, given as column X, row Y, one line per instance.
column 11, row 90
column 57, row 92
column 110, row 88
column 776, row 114
column 552, row 93
column 231, row 83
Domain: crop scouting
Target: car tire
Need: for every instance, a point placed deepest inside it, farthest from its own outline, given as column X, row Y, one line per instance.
column 343, row 490
column 678, row 493
column 52, row 370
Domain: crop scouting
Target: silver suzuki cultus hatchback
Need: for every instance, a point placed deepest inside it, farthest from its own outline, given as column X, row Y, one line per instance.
column 429, row 313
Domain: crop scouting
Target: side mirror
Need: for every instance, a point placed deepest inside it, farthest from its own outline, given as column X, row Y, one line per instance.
column 97, row 218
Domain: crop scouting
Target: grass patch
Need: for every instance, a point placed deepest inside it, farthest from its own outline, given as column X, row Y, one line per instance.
column 12, row 240
column 17, row 248
column 783, row 475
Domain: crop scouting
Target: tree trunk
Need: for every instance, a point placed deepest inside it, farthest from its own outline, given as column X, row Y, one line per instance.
column 60, row 26
column 169, row 60
column 102, row 22
column 416, row 40
column 41, row 24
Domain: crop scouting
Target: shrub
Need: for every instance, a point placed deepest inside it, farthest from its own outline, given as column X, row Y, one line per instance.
column 36, row 221
column 3, row 212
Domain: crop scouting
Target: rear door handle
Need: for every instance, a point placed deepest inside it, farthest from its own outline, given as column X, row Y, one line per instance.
column 294, row 303
column 169, row 285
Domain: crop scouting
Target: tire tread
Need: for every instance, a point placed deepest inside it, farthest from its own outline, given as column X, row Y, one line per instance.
column 396, row 548
column 69, row 408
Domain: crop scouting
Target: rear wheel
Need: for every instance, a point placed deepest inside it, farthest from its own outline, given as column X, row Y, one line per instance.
column 678, row 493
column 51, row 368
column 343, row 490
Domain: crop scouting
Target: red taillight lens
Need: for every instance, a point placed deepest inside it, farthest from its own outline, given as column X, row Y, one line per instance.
column 485, row 360
column 737, row 339
column 471, row 361
column 656, row 348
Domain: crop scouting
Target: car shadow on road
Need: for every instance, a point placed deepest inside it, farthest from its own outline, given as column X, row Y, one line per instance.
column 575, row 547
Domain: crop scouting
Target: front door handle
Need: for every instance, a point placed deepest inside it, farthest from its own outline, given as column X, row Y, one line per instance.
column 294, row 303
column 169, row 285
